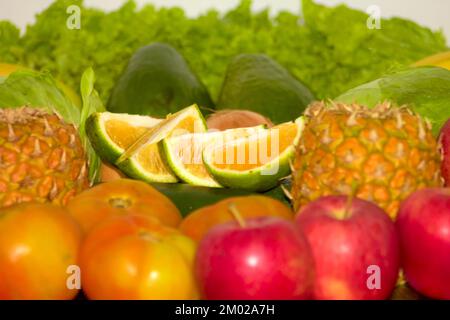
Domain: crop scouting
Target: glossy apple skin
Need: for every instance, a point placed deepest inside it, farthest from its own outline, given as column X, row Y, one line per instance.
column 423, row 224
column 344, row 247
column 267, row 259
column 444, row 141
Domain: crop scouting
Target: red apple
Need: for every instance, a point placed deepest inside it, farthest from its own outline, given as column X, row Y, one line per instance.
column 267, row 258
column 444, row 141
column 355, row 248
column 423, row 224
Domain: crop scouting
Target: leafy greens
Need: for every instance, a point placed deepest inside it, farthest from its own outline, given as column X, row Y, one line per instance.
column 329, row 48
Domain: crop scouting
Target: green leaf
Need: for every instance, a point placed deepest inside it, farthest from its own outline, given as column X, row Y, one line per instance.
column 329, row 48
column 91, row 104
column 37, row 89
column 426, row 90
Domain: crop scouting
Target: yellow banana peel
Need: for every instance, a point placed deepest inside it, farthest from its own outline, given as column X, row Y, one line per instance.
column 439, row 60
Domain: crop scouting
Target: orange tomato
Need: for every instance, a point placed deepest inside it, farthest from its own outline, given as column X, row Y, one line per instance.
column 198, row 223
column 136, row 257
column 122, row 197
column 39, row 243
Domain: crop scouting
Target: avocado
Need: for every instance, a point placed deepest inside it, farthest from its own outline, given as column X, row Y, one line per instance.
column 256, row 82
column 157, row 81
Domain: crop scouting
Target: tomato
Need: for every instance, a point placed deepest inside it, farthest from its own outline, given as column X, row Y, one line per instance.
column 38, row 245
column 200, row 221
column 136, row 257
column 122, row 197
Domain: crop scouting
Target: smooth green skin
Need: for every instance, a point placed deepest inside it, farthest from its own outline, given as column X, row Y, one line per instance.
column 425, row 89
column 253, row 180
column 168, row 158
column 157, row 81
column 110, row 153
column 258, row 83
column 131, row 168
column 100, row 141
column 189, row 198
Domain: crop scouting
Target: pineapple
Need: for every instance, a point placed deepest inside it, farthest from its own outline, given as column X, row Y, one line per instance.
column 41, row 158
column 380, row 154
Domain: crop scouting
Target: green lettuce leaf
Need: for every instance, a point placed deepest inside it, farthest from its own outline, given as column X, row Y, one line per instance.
column 329, row 48
column 10, row 49
column 426, row 90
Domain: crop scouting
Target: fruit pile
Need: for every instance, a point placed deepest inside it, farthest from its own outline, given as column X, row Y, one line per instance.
column 365, row 189
column 345, row 202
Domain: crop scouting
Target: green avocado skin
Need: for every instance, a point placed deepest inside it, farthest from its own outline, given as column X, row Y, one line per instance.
column 256, row 82
column 157, row 81
column 426, row 90
column 188, row 198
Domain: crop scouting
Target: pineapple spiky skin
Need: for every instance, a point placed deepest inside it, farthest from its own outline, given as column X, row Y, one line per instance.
column 380, row 154
column 41, row 158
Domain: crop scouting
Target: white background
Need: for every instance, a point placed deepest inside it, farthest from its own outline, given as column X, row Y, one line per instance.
column 432, row 13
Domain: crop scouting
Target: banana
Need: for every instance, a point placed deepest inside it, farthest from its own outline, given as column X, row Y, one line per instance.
column 440, row 60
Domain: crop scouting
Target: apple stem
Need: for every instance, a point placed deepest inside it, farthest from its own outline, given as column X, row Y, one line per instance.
column 348, row 206
column 236, row 215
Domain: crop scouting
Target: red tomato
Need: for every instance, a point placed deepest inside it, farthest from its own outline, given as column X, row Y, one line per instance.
column 136, row 257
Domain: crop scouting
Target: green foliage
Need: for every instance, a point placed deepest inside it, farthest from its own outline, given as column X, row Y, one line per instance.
column 91, row 104
column 36, row 89
column 426, row 90
column 332, row 51
column 9, row 37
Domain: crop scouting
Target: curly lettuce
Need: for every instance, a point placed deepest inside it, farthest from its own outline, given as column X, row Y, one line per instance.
column 328, row 48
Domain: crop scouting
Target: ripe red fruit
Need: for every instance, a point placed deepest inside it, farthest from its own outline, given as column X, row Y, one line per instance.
column 424, row 230
column 444, row 141
column 355, row 248
column 268, row 258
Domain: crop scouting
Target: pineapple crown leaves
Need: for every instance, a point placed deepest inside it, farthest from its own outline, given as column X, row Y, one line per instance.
column 382, row 110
